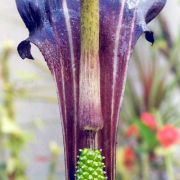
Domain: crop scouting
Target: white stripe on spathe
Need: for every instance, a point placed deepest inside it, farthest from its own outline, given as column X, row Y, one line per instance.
column 115, row 59
column 70, row 38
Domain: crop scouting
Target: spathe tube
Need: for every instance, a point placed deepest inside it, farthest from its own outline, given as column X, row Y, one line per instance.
column 54, row 27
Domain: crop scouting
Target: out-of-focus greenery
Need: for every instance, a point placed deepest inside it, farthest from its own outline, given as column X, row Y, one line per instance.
column 55, row 151
column 153, row 88
column 13, row 138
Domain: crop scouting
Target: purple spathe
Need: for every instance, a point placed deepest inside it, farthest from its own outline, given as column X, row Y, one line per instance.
column 54, row 27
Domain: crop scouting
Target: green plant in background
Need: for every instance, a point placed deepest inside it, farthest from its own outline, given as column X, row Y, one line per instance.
column 151, row 145
column 150, row 113
column 169, row 48
column 12, row 137
column 55, row 151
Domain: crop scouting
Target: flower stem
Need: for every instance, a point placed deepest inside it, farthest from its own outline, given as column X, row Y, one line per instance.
column 169, row 166
column 145, row 166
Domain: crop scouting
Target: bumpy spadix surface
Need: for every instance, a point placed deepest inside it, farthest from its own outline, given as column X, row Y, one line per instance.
column 54, row 27
column 90, row 165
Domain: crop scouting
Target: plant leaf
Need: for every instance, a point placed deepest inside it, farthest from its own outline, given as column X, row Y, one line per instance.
column 149, row 137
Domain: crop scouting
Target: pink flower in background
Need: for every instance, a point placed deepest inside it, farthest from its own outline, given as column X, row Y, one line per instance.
column 168, row 136
column 149, row 120
column 42, row 159
column 132, row 131
column 129, row 157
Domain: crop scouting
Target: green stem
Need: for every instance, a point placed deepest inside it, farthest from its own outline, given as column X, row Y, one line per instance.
column 52, row 168
column 8, row 88
column 145, row 166
column 169, row 166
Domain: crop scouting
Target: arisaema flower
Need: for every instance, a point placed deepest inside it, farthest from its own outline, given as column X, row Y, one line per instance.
column 87, row 45
column 149, row 120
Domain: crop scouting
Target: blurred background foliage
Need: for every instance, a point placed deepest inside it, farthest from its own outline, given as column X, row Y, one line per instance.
column 13, row 138
column 150, row 116
column 148, row 134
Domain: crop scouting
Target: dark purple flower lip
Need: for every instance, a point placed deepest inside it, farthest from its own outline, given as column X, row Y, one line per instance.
column 54, row 27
